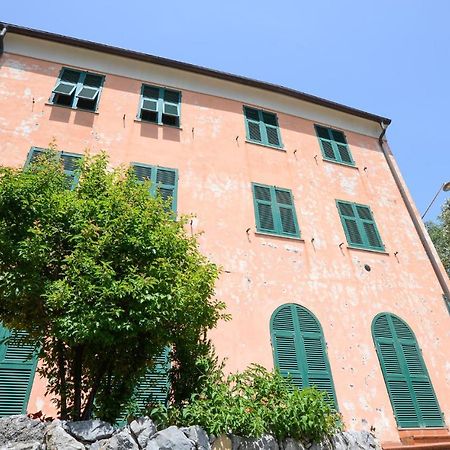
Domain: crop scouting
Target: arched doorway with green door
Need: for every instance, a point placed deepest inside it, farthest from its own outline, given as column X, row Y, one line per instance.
column 299, row 349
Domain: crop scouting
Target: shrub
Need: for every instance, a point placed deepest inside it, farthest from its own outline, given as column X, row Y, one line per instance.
column 253, row 403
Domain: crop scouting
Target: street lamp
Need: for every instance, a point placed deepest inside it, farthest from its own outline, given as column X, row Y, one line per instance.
column 444, row 187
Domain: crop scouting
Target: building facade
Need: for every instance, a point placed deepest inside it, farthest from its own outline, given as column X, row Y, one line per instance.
column 327, row 270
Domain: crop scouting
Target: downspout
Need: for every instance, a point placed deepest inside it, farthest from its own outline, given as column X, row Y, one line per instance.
column 437, row 270
column 2, row 35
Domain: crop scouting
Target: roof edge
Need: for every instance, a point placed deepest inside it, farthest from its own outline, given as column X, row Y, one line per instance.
column 118, row 51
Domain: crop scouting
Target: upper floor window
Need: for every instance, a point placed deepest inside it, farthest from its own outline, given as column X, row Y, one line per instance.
column 262, row 127
column 70, row 163
column 274, row 210
column 334, row 145
column 162, row 179
column 160, row 105
column 75, row 89
column 359, row 226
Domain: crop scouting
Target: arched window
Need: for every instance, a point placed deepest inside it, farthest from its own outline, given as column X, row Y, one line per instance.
column 405, row 374
column 18, row 360
column 299, row 349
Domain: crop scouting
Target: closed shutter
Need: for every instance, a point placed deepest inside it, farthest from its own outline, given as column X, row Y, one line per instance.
column 166, row 182
column 263, row 206
column 71, row 167
column 300, row 351
column 18, row 361
column 253, row 124
column 334, row 145
column 271, row 128
column 285, row 206
column 349, row 222
column 408, row 384
column 368, row 224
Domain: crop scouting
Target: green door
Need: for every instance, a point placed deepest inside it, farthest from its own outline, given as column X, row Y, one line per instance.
column 299, row 349
column 18, row 360
column 407, row 381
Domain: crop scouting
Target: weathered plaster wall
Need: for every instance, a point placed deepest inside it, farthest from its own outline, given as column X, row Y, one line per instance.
column 216, row 167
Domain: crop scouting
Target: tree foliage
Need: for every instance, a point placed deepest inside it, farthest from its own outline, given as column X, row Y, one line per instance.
column 101, row 275
column 439, row 232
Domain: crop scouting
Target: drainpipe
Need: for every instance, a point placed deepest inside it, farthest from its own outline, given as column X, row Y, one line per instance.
column 2, row 35
column 428, row 250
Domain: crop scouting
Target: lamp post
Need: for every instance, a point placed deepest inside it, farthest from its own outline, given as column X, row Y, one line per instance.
column 444, row 187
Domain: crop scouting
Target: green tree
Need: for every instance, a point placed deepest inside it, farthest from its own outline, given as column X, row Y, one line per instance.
column 439, row 232
column 101, row 275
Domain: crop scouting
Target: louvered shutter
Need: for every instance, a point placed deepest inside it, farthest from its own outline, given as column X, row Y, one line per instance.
column 253, row 124
column 166, row 182
column 341, row 146
column 18, row 361
column 143, row 172
column 263, row 206
column 325, row 142
column 285, row 206
column 334, row 145
column 370, row 234
column 299, row 349
column 34, row 154
column 409, row 387
column 349, row 222
column 271, row 128
column 70, row 166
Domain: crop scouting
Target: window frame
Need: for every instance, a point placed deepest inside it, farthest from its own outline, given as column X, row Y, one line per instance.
column 334, row 145
column 262, row 128
column 78, row 87
column 360, row 227
column 154, row 184
column 160, row 105
column 275, row 210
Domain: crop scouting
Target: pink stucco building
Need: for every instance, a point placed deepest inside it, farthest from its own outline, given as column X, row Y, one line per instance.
column 328, row 271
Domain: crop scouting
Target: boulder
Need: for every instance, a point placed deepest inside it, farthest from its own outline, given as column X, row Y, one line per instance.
column 21, row 429
column 171, row 438
column 23, row 446
column 266, row 442
column 89, row 430
column 57, row 438
column 142, row 429
column 197, row 435
column 222, row 442
column 292, row 444
column 123, row 440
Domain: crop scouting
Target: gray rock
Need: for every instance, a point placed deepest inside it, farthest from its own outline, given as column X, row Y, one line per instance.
column 17, row 429
column 90, row 430
column 57, row 438
column 197, row 435
column 123, row 440
column 33, row 445
column 266, row 442
column 292, row 444
column 142, row 429
column 171, row 438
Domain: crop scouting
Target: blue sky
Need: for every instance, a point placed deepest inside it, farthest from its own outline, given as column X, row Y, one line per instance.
column 388, row 57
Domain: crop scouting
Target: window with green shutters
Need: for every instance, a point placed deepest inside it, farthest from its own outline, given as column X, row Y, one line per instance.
column 299, row 349
column 334, row 145
column 18, row 359
column 359, row 226
column 69, row 161
column 262, row 127
column 160, row 105
column 408, row 384
column 274, row 210
column 163, row 180
column 76, row 89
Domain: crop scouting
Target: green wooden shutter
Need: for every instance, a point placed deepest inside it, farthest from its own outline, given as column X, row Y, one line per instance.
column 70, row 164
column 166, row 182
column 150, row 108
column 271, row 128
column 171, row 108
column 253, row 124
column 263, row 207
column 349, row 222
column 286, row 211
column 299, row 349
column 18, row 361
column 371, row 235
column 408, row 384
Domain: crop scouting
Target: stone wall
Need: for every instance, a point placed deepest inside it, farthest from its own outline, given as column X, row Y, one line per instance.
column 23, row 433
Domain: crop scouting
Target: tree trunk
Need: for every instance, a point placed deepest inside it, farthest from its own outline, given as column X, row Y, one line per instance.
column 62, row 379
column 77, row 381
column 90, row 400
